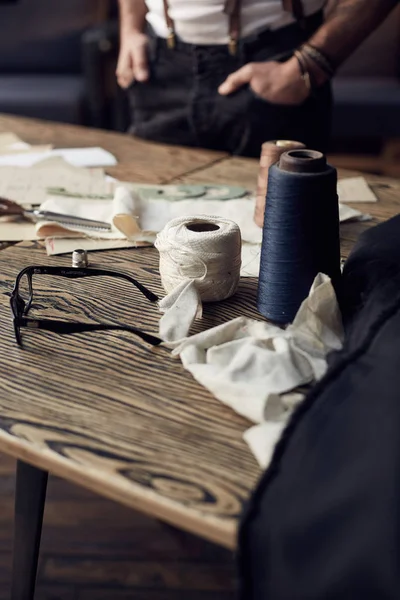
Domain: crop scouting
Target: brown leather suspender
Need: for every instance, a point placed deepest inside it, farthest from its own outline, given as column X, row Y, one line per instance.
column 232, row 8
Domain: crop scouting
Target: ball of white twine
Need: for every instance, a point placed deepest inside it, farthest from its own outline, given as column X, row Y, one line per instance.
column 202, row 248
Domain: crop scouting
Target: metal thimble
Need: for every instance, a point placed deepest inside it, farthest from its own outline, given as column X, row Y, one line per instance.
column 79, row 259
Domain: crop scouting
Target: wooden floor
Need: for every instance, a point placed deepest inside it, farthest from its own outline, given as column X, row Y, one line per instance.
column 93, row 549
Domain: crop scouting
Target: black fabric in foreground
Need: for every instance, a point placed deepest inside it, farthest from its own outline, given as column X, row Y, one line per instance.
column 324, row 521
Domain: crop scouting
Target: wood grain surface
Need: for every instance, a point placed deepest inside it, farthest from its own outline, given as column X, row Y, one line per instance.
column 112, row 414
column 95, row 549
column 104, row 410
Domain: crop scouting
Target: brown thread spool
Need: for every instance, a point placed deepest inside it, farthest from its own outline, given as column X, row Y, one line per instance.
column 270, row 154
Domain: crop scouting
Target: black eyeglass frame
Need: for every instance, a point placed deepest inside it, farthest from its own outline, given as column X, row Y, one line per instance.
column 20, row 308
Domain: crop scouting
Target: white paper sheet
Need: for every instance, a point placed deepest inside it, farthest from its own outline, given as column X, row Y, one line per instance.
column 78, row 157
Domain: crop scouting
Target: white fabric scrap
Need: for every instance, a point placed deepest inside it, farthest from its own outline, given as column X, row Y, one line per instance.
column 262, row 440
column 180, row 307
column 252, row 365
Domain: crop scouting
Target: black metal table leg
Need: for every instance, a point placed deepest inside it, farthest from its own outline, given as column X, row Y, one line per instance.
column 30, row 497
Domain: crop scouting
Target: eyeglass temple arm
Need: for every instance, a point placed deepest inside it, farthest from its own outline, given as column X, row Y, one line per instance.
column 64, row 327
column 101, row 272
column 74, row 273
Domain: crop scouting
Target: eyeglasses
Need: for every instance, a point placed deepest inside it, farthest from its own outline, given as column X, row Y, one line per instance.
column 20, row 306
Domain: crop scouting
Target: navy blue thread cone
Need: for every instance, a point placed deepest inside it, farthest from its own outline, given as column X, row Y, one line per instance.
column 300, row 234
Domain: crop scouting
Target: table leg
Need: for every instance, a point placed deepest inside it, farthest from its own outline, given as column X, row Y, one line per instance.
column 30, row 497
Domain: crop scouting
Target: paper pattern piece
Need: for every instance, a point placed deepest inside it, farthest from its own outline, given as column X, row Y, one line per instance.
column 10, row 139
column 347, row 213
column 136, row 211
column 29, row 186
column 355, row 189
column 67, row 245
column 251, row 366
column 139, row 218
column 12, row 144
column 21, row 231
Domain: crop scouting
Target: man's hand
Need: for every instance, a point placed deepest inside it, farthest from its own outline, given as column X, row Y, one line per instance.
column 132, row 61
column 278, row 83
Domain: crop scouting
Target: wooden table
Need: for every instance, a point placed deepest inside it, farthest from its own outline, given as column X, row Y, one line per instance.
column 104, row 410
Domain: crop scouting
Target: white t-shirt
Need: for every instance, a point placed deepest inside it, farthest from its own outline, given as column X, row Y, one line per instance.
column 205, row 22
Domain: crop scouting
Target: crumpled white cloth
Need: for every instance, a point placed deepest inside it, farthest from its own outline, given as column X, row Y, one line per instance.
column 252, row 365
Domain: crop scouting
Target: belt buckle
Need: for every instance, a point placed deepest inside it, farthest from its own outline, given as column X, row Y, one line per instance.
column 232, row 45
column 171, row 40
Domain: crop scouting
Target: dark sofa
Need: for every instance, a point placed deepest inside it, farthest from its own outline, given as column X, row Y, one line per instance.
column 42, row 73
column 367, row 87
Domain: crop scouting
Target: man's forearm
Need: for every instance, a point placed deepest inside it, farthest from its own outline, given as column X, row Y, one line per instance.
column 348, row 24
column 132, row 15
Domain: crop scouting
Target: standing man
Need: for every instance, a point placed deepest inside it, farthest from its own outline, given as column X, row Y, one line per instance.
column 231, row 74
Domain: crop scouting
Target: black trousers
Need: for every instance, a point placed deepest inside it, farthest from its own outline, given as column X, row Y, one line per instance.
column 324, row 522
column 180, row 104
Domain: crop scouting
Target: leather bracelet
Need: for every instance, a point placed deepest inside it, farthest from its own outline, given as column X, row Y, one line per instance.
column 304, row 72
column 320, row 59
